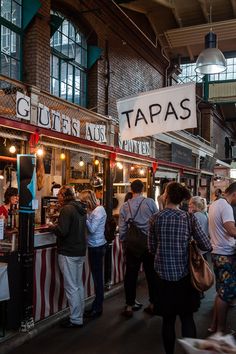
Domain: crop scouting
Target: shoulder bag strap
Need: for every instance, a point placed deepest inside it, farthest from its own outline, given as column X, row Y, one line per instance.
column 133, row 217
column 190, row 225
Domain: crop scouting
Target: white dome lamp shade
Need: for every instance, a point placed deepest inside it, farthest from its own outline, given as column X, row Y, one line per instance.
column 211, row 60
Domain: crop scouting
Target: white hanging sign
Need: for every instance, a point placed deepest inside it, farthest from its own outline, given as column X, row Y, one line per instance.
column 168, row 109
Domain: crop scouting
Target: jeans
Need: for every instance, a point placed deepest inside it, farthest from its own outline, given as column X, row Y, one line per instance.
column 96, row 256
column 133, row 264
column 72, row 269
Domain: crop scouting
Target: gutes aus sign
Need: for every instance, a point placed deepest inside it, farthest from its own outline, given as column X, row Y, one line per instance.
column 168, row 109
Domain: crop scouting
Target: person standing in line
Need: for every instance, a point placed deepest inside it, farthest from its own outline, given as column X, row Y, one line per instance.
column 71, row 248
column 223, row 233
column 160, row 198
column 145, row 207
column 168, row 241
column 218, row 194
column 96, row 220
column 137, row 305
column 197, row 205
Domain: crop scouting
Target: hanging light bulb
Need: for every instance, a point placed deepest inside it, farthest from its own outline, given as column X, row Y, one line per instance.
column 81, row 163
column 96, row 161
column 142, row 171
column 132, row 168
column 119, row 165
column 12, row 149
column 40, row 151
column 62, row 156
column 1, row 177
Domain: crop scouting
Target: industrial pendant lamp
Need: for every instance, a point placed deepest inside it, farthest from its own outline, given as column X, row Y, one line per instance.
column 211, row 60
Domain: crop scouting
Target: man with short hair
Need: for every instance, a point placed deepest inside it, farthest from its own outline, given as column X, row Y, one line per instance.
column 223, row 233
column 143, row 208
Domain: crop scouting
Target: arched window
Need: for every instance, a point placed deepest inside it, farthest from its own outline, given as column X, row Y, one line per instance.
column 11, row 34
column 69, row 63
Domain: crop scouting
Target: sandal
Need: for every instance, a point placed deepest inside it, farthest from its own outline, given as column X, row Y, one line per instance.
column 127, row 313
column 149, row 310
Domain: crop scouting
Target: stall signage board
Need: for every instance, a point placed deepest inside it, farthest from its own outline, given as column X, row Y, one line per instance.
column 56, row 121
column 135, row 146
column 96, row 132
column 168, row 109
column 181, row 155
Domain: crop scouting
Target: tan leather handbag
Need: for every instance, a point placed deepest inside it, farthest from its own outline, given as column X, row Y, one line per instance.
column 202, row 277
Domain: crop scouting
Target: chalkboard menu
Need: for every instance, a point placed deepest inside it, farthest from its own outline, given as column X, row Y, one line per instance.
column 181, row 155
column 47, row 160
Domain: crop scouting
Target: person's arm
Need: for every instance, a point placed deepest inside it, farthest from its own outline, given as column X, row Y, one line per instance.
column 94, row 220
column 122, row 225
column 152, row 205
column 199, row 235
column 230, row 228
column 62, row 229
column 227, row 216
column 152, row 239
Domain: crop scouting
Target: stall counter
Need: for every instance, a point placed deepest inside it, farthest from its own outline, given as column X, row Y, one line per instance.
column 49, row 297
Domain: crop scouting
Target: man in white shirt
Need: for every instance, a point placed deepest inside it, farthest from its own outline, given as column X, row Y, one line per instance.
column 223, row 233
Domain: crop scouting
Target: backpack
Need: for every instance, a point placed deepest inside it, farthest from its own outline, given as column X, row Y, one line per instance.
column 110, row 229
column 136, row 240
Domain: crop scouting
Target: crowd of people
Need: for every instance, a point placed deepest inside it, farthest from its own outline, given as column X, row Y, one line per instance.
column 163, row 252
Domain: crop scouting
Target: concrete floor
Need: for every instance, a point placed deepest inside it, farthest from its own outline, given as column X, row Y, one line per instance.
column 112, row 334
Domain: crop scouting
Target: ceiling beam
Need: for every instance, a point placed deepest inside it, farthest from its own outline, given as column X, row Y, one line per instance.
column 233, row 3
column 180, row 23
column 165, row 3
column 204, row 9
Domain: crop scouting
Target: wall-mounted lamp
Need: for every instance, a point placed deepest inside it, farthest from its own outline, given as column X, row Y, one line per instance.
column 81, row 163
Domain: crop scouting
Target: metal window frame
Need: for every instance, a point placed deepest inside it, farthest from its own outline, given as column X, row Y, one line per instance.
column 17, row 30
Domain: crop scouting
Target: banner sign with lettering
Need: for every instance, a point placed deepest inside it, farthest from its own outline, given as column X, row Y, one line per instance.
column 135, row 146
column 168, row 109
column 56, row 121
column 96, row 132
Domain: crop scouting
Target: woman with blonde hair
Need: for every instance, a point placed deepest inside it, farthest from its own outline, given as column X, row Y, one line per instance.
column 198, row 206
column 96, row 220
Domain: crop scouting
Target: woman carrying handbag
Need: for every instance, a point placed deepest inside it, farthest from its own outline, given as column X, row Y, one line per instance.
column 169, row 242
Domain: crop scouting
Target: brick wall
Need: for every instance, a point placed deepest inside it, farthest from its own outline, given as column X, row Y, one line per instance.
column 37, row 49
column 122, row 70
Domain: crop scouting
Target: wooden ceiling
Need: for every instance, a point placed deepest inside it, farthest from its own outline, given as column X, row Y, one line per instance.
column 181, row 25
